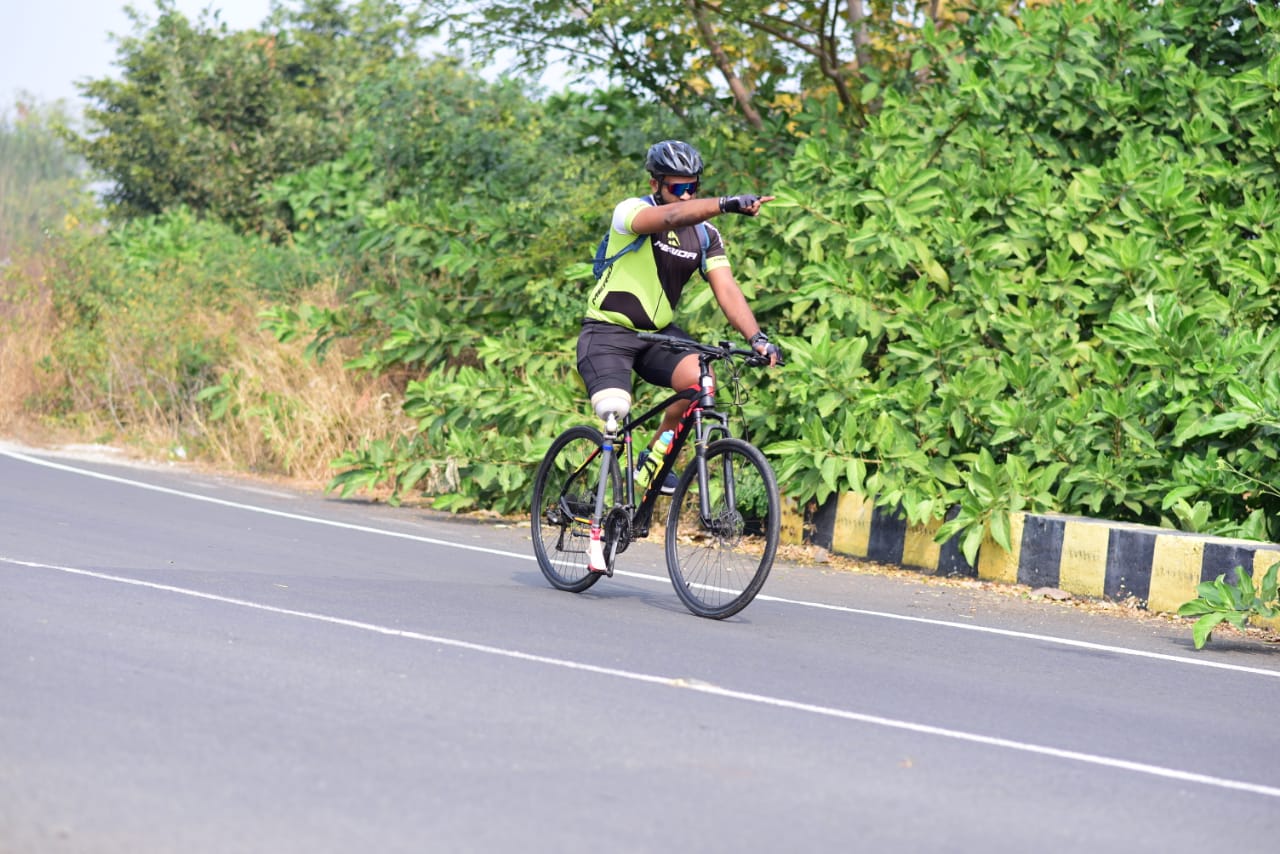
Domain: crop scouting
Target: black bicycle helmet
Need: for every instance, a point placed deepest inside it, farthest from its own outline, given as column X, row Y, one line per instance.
column 673, row 157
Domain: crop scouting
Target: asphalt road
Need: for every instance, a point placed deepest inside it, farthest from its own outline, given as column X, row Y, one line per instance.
column 190, row 663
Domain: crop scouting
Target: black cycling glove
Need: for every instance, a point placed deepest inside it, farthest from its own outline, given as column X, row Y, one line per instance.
column 770, row 349
column 737, row 204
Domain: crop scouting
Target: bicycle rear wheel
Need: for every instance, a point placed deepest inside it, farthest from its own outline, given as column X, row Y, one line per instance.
column 564, row 496
column 718, row 563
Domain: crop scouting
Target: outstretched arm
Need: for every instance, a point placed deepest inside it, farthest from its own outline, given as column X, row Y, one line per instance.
column 658, row 218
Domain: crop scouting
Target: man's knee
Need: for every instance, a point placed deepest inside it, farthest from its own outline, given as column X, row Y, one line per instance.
column 685, row 373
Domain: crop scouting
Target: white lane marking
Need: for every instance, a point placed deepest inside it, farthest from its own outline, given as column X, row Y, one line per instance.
column 1012, row 633
column 692, row 685
column 365, row 529
column 297, row 517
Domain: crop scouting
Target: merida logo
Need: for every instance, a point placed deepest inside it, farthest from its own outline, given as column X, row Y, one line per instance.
column 673, row 238
column 676, row 251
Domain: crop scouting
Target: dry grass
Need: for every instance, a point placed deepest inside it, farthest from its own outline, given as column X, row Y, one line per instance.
column 27, row 328
column 292, row 416
column 285, row 415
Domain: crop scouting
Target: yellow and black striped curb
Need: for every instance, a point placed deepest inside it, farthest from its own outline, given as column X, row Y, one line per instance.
column 1158, row 567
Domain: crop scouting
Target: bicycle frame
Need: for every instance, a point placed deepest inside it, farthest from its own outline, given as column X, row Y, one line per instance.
column 701, row 420
column 725, row 502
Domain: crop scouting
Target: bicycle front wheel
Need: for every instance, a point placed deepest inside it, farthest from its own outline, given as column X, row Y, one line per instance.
column 564, row 497
column 722, row 535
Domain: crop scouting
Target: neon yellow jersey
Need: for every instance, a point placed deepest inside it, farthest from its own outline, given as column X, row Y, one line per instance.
column 642, row 288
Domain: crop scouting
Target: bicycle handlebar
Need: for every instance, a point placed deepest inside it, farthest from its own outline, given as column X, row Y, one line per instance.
column 723, row 350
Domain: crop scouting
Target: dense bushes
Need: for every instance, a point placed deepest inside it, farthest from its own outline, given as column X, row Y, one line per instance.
column 1041, row 275
column 1047, row 281
column 463, row 240
column 210, row 119
column 147, row 314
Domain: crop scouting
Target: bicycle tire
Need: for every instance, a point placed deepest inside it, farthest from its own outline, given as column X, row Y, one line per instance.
column 718, row 565
column 564, row 494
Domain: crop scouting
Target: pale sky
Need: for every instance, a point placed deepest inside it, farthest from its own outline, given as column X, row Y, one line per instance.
column 47, row 45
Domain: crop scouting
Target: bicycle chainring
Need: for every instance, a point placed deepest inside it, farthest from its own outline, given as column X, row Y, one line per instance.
column 617, row 531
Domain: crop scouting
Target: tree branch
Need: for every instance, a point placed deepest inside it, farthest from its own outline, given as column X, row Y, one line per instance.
column 861, row 43
column 721, row 59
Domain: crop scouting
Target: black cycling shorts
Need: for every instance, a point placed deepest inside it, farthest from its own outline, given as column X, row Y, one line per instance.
column 607, row 354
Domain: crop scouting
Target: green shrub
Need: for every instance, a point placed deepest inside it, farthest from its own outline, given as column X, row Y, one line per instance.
column 1233, row 602
column 1044, row 282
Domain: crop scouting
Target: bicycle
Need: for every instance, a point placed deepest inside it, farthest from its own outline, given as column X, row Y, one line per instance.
column 724, row 519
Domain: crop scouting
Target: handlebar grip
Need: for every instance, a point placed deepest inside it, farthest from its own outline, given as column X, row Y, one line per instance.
column 665, row 340
column 756, row 359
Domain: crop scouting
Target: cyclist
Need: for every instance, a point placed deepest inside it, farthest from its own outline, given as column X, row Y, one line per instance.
column 640, row 290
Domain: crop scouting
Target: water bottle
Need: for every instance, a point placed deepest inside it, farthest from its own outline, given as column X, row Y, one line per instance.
column 653, row 461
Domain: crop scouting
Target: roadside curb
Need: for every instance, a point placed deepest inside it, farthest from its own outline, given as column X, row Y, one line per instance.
column 1158, row 567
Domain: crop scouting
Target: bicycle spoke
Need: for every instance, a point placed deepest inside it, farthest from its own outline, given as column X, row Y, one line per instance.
column 564, row 493
column 719, row 561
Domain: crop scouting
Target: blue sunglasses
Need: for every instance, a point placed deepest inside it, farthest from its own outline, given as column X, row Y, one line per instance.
column 690, row 187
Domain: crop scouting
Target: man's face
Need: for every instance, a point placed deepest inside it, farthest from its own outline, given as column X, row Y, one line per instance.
column 677, row 188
